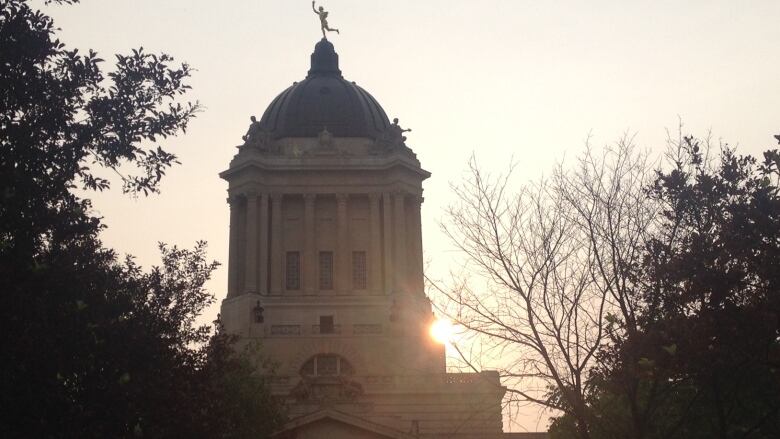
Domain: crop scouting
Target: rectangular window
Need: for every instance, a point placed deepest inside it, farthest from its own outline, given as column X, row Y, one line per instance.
column 326, row 270
column 293, row 273
column 359, row 270
column 326, row 325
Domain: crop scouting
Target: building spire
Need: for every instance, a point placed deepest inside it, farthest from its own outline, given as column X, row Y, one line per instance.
column 324, row 60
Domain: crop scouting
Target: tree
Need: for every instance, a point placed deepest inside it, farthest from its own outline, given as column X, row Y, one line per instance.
column 639, row 305
column 555, row 264
column 705, row 356
column 93, row 347
column 713, row 286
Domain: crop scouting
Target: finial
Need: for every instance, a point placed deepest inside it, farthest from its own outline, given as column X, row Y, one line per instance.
column 323, row 14
column 324, row 60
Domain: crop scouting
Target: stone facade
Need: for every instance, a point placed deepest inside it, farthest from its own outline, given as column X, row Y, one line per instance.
column 326, row 272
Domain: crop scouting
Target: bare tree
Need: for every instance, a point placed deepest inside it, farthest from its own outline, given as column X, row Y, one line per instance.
column 550, row 266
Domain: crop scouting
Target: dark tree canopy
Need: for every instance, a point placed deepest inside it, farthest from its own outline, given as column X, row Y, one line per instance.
column 95, row 347
column 62, row 118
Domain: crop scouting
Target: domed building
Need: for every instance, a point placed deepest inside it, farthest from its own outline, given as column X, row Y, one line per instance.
column 326, row 270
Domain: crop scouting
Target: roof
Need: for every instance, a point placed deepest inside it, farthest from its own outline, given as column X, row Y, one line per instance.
column 341, row 419
column 324, row 100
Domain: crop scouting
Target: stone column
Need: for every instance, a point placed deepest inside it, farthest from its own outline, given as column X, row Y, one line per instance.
column 416, row 251
column 342, row 271
column 309, row 255
column 233, row 248
column 264, row 250
column 375, row 244
column 250, row 274
column 401, row 260
column 277, row 233
column 387, row 206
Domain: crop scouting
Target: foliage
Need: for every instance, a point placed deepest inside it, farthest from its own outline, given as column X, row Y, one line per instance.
column 638, row 304
column 707, row 356
column 93, row 347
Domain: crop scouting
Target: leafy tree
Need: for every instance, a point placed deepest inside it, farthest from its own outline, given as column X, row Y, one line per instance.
column 93, row 347
column 707, row 355
column 638, row 304
column 714, row 287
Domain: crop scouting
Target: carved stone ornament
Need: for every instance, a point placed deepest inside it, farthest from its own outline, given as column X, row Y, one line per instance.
column 325, row 139
column 326, row 389
column 256, row 137
column 393, row 138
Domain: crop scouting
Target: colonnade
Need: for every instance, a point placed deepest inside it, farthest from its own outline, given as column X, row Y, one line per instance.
column 256, row 262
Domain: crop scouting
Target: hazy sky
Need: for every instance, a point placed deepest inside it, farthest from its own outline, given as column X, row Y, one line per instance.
column 523, row 79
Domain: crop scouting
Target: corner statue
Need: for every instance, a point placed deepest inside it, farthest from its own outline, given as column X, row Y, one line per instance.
column 397, row 137
column 255, row 136
column 323, row 14
column 252, row 132
column 393, row 137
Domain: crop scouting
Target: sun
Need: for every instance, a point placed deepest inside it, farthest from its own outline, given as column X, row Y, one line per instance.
column 441, row 331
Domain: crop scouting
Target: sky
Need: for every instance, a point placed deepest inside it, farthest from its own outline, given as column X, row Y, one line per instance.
column 527, row 80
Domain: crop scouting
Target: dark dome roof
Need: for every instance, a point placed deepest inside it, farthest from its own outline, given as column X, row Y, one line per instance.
column 324, row 100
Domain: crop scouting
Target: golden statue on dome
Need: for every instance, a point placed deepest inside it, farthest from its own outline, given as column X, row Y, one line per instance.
column 323, row 14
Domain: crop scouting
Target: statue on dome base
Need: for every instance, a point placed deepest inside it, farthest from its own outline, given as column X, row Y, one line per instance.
column 325, row 138
column 256, row 136
column 397, row 133
column 254, row 128
column 323, row 14
column 393, row 138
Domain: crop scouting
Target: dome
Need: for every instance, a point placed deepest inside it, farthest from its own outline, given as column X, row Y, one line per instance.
column 324, row 100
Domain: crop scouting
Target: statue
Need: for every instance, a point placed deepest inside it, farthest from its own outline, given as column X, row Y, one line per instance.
column 251, row 133
column 323, row 20
column 392, row 138
column 256, row 136
column 397, row 137
column 325, row 138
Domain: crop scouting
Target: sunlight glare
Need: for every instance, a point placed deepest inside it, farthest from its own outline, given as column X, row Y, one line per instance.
column 441, row 331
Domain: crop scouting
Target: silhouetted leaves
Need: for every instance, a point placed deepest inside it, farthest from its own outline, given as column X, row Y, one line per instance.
column 95, row 348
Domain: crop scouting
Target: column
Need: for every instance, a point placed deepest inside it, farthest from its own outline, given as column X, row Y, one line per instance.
column 250, row 275
column 400, row 243
column 375, row 244
column 388, row 241
column 264, row 250
column 277, row 233
column 233, row 248
column 342, row 272
column 309, row 255
column 416, row 252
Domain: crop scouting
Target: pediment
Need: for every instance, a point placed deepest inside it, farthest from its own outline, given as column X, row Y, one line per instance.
column 330, row 423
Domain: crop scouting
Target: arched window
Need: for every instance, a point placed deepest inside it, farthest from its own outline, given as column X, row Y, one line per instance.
column 326, row 365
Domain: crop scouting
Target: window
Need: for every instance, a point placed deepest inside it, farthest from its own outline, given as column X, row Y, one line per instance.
column 326, row 365
column 359, row 270
column 293, row 273
column 326, row 270
column 326, row 325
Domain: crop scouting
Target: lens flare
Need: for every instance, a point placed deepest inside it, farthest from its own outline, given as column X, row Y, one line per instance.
column 441, row 331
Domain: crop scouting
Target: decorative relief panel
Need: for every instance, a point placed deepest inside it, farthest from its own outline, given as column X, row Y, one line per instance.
column 315, row 329
column 286, row 330
column 366, row 329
